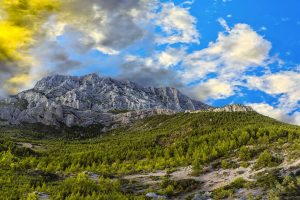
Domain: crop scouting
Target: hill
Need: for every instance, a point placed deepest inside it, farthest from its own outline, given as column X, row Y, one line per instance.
column 182, row 156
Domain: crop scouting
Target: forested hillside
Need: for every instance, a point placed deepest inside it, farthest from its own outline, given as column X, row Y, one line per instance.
column 37, row 165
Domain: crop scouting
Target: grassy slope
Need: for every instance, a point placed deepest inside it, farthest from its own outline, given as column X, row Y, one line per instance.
column 55, row 166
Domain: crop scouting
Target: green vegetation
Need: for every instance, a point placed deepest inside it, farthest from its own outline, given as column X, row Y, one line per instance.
column 266, row 159
column 171, row 187
column 55, row 161
column 280, row 186
column 228, row 191
column 244, row 153
column 228, row 164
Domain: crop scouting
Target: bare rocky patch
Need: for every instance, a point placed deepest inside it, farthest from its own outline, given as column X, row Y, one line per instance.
column 212, row 179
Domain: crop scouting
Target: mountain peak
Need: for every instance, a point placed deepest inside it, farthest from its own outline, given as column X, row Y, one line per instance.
column 89, row 99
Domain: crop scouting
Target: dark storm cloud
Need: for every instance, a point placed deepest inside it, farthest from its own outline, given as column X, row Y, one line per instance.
column 144, row 75
column 110, row 24
column 64, row 63
column 53, row 59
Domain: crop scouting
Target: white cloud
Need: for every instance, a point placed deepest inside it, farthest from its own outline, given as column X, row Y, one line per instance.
column 160, row 59
column 107, row 26
column 170, row 57
column 188, row 2
column 213, row 88
column 269, row 111
column 241, row 47
column 224, row 24
column 278, row 113
column 234, row 51
column 111, row 27
column 156, row 70
column 285, row 82
column 177, row 24
column 54, row 28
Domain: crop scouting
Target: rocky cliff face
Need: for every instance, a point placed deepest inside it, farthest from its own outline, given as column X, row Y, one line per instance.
column 83, row 101
column 228, row 108
column 232, row 108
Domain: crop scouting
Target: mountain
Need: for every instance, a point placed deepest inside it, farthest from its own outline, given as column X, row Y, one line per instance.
column 83, row 101
column 168, row 147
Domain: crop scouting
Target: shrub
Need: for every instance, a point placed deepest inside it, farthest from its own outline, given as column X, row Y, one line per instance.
column 32, row 196
column 228, row 165
column 266, row 159
column 268, row 180
column 244, row 153
column 169, row 190
column 222, row 193
column 244, row 164
column 228, row 191
column 225, row 164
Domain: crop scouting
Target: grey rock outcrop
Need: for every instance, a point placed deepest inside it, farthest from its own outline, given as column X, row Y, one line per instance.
column 153, row 195
column 82, row 101
column 232, row 108
column 228, row 108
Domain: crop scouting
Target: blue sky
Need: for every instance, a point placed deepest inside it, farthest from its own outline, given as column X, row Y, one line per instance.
column 217, row 51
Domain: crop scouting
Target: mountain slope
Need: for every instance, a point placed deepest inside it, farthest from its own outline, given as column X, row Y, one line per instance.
column 233, row 143
column 88, row 100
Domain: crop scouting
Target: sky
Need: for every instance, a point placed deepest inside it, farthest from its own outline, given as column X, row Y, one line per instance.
column 217, row 51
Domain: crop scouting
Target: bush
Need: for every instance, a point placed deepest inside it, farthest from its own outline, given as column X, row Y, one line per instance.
column 244, row 164
column 239, row 183
column 268, row 180
column 222, row 193
column 32, row 196
column 244, row 153
column 228, row 165
column 266, row 159
column 169, row 190
column 196, row 172
column 225, row 164
column 171, row 187
column 228, row 191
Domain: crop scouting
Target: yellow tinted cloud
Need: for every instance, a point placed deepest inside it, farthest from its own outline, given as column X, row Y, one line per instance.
column 20, row 23
column 16, row 82
column 19, row 79
column 12, row 40
column 28, row 12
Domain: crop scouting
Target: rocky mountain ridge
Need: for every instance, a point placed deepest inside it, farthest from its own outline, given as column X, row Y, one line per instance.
column 82, row 101
column 88, row 100
column 227, row 108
